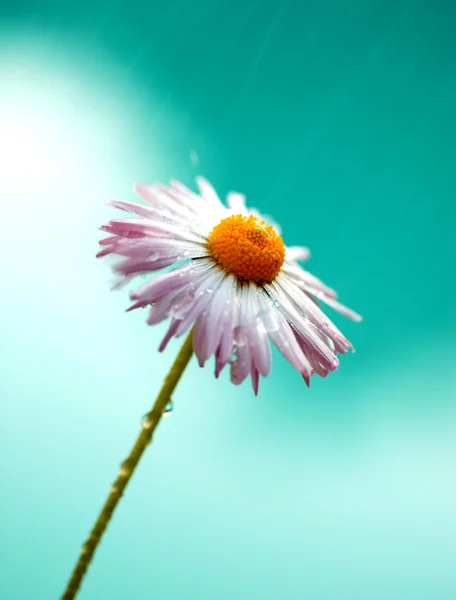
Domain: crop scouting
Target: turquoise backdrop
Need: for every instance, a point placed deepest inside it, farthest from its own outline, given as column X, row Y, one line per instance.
column 337, row 118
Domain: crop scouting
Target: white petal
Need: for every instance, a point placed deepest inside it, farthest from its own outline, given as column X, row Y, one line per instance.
column 227, row 325
column 179, row 279
column 310, row 311
column 208, row 192
column 344, row 310
column 303, row 278
column 301, row 324
column 157, row 196
column 202, row 293
column 236, row 202
column 297, row 253
column 287, row 344
column 257, row 335
column 219, row 316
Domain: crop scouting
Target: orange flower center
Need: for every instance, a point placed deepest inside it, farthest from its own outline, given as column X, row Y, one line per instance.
column 248, row 248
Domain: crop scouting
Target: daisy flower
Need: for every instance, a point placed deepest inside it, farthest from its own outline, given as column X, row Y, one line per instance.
column 233, row 279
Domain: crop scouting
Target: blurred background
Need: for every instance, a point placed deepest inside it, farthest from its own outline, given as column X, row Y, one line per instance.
column 337, row 118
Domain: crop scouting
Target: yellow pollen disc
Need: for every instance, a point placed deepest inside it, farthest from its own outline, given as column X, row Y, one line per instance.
column 248, row 248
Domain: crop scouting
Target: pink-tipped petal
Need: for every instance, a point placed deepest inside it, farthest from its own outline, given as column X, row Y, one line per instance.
column 122, row 282
column 169, row 334
column 162, row 285
column 185, row 194
column 260, row 350
column 106, row 250
column 161, row 309
column 304, row 279
column 286, row 343
column 254, row 374
column 108, row 241
column 218, row 316
column 219, row 364
column 343, row 310
column 146, row 194
column 240, row 368
column 199, row 333
column 203, row 295
column 133, row 266
column 258, row 337
column 317, row 367
column 131, row 207
column 133, row 228
column 225, row 348
column 127, row 232
column 310, row 312
column 301, row 325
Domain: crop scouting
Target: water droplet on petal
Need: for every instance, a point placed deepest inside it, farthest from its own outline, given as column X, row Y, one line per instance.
column 270, row 320
column 180, row 305
column 236, row 371
column 168, row 409
column 260, row 326
column 240, row 336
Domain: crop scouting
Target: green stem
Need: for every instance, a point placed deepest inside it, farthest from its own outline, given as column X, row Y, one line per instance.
column 149, row 424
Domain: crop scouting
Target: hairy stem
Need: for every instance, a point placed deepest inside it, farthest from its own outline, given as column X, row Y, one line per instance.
column 127, row 468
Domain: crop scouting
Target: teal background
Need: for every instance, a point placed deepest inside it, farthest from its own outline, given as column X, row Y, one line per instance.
column 338, row 119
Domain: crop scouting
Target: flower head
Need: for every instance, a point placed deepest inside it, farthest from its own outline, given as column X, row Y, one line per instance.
column 233, row 279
